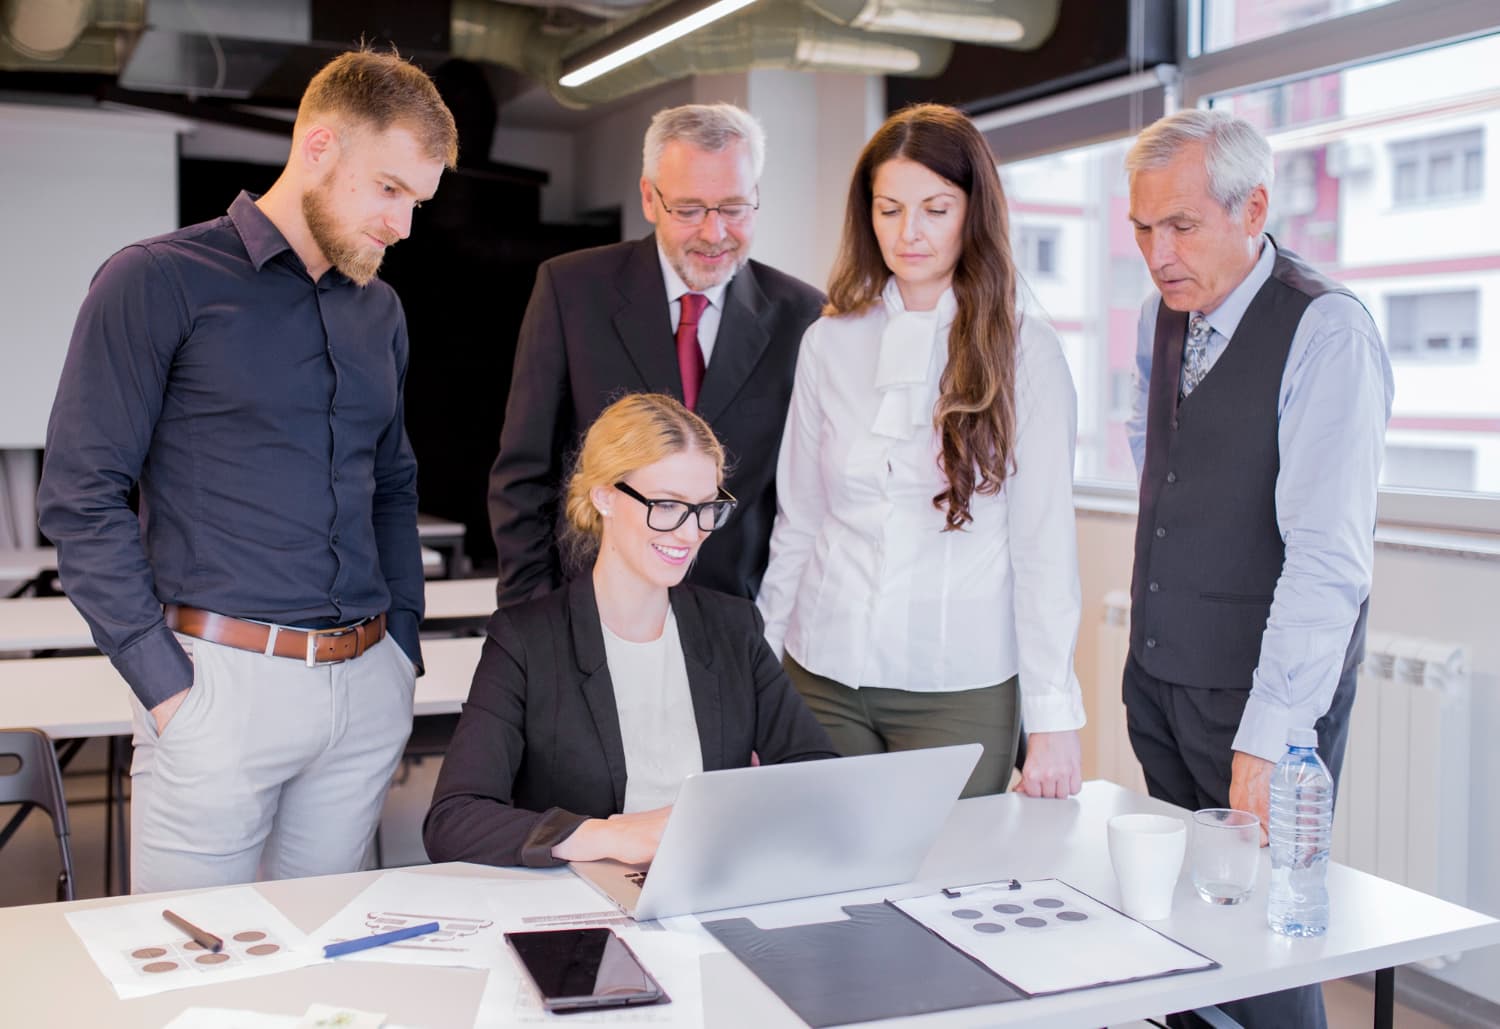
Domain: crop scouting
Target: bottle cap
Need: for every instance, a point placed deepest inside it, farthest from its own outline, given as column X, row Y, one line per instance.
column 1302, row 738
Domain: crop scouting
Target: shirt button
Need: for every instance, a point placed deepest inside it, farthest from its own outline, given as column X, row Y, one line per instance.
column 1171, row 476
column 1150, row 641
column 336, row 539
column 1160, row 532
column 340, row 600
column 1174, row 424
column 1154, row 587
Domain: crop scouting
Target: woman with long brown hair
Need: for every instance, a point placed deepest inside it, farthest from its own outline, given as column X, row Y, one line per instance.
column 924, row 571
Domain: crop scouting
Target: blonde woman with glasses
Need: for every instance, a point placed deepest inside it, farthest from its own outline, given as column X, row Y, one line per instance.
column 592, row 704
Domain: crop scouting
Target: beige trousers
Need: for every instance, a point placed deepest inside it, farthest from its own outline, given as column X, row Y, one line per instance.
column 268, row 770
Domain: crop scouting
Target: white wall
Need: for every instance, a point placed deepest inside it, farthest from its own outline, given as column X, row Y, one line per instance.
column 607, row 157
column 1434, row 595
column 815, row 126
column 63, row 210
column 548, row 151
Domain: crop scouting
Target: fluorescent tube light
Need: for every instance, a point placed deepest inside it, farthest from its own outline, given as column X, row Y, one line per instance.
column 644, row 36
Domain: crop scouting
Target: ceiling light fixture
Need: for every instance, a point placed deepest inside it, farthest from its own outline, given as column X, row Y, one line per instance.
column 667, row 23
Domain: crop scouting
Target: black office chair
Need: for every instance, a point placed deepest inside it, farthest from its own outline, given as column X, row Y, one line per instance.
column 29, row 776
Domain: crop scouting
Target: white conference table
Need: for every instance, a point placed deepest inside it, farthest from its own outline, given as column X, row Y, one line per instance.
column 26, row 563
column 71, row 697
column 53, row 623
column 1375, row 925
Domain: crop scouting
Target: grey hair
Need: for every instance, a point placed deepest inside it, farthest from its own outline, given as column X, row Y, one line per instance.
column 709, row 127
column 1237, row 156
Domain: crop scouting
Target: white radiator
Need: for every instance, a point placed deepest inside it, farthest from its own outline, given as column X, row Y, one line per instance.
column 1403, row 805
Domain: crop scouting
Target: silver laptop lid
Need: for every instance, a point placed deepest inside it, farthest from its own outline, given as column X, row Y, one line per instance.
column 754, row 835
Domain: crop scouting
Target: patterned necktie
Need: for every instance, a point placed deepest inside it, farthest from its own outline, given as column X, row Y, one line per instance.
column 1195, row 354
column 689, row 353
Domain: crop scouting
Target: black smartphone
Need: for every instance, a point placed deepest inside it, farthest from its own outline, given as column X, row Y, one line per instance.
column 575, row 969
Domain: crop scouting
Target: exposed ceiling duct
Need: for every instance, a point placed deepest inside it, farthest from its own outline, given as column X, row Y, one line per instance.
column 772, row 34
column 228, row 49
column 67, row 35
column 1017, row 24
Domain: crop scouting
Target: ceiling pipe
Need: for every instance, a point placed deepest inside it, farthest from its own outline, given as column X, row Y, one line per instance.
column 1016, row 24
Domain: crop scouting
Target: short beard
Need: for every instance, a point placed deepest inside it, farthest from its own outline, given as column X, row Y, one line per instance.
column 361, row 266
column 680, row 262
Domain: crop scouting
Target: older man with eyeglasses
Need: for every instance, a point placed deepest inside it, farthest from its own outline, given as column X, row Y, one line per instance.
column 683, row 311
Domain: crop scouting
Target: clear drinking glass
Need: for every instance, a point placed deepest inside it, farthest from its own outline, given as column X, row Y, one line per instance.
column 1226, row 854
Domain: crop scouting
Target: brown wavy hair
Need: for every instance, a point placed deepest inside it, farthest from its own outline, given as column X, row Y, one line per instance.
column 975, row 414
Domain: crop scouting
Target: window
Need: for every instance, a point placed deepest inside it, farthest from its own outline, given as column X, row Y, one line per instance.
column 1090, row 289
column 1385, row 144
column 1227, row 23
column 1444, row 468
column 1448, row 167
column 1433, row 326
column 1036, row 250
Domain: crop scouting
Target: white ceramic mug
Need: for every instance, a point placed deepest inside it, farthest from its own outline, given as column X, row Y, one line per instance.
column 1147, row 853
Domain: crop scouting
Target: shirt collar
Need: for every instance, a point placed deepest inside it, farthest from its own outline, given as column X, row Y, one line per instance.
column 1226, row 317
column 262, row 239
column 676, row 287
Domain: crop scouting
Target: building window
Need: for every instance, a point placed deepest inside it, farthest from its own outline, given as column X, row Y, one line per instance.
column 1036, row 250
column 1227, row 23
column 1447, row 167
column 1433, row 326
column 1419, row 467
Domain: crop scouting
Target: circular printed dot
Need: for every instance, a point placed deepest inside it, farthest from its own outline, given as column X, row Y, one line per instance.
column 211, row 959
column 1009, row 909
column 1031, row 922
column 249, row 937
column 965, row 913
column 159, row 966
column 988, row 927
column 193, row 945
column 148, row 952
column 1049, row 902
column 1071, row 916
column 262, row 949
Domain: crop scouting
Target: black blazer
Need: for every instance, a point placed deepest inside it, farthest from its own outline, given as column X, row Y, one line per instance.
column 538, row 749
column 598, row 326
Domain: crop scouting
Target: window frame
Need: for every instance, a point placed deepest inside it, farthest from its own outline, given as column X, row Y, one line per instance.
column 1359, row 37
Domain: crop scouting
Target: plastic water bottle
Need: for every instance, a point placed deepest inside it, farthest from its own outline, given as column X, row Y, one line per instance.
column 1301, row 833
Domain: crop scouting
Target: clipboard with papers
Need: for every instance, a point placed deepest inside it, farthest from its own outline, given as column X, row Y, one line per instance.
column 963, row 946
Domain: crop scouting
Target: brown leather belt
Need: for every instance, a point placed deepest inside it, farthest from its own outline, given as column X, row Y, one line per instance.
column 313, row 646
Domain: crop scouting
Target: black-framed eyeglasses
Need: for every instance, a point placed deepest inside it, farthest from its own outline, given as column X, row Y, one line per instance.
column 693, row 214
column 667, row 515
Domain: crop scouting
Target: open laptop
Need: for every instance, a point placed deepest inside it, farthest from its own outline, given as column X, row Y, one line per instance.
column 754, row 835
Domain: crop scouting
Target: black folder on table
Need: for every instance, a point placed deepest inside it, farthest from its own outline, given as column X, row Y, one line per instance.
column 862, row 969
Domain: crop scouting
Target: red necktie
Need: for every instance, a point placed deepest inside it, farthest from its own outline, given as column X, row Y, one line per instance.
column 689, row 353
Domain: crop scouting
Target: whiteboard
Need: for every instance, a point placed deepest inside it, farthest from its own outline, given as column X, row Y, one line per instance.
column 76, row 184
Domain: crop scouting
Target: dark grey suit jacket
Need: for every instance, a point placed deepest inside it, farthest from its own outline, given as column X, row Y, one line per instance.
column 538, row 748
column 598, row 327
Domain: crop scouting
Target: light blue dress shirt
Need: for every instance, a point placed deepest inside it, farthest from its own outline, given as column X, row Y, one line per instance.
column 1335, row 400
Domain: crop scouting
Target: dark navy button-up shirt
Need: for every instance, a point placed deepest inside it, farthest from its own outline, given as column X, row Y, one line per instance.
column 261, row 414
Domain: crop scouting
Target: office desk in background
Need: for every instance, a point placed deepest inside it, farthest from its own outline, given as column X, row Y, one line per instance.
column 53, row 623
column 70, row 697
column 1375, row 925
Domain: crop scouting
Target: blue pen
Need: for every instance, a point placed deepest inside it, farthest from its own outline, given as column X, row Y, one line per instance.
column 333, row 950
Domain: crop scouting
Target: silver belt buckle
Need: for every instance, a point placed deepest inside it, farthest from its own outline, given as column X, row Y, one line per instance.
column 313, row 635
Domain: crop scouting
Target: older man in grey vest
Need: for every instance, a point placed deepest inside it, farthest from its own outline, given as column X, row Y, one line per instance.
column 1263, row 392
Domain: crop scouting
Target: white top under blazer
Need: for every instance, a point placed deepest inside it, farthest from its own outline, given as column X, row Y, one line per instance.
column 863, row 586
